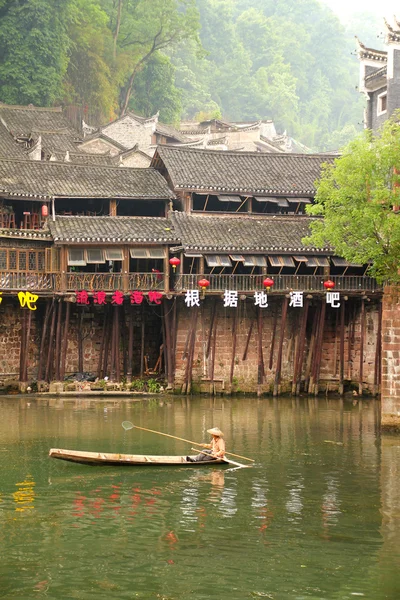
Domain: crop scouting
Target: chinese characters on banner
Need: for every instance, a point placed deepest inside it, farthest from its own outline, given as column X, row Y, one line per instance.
column 192, row 298
column 136, row 297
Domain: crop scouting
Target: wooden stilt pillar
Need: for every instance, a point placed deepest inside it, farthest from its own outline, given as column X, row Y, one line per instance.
column 173, row 340
column 27, row 339
column 22, row 348
column 234, row 328
column 192, row 344
column 168, row 344
column 260, row 358
column 80, row 341
column 117, row 344
column 308, row 382
column 214, row 350
column 362, row 335
column 213, row 312
column 130, row 345
column 298, row 360
column 102, row 344
column 318, row 348
column 50, row 346
column 246, row 349
column 107, row 342
column 49, row 308
column 57, row 354
column 64, row 348
column 142, row 346
column 280, row 348
column 271, row 352
column 378, row 351
column 341, row 348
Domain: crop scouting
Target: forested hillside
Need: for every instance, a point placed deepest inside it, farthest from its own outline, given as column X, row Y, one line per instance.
column 286, row 60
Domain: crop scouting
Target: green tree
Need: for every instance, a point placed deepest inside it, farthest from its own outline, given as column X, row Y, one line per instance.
column 141, row 28
column 356, row 196
column 34, row 50
column 154, row 90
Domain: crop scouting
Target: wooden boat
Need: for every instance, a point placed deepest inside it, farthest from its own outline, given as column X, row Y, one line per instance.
column 106, row 458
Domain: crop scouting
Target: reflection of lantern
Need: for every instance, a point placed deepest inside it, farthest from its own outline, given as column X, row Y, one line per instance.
column 329, row 285
column 268, row 283
column 45, row 210
column 204, row 283
column 174, row 262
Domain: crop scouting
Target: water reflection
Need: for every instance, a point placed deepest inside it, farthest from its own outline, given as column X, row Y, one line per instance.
column 304, row 522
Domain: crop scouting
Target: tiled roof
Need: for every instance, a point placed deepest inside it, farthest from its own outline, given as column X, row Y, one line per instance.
column 382, row 72
column 112, row 229
column 9, row 148
column 169, row 131
column 43, row 179
column 242, row 172
column 22, row 120
column 244, row 234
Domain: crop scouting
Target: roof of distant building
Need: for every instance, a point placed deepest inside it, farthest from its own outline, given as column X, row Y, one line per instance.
column 248, row 234
column 112, row 229
column 45, row 179
column 9, row 148
column 241, row 172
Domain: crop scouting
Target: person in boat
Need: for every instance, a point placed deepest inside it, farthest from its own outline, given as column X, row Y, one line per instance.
column 215, row 449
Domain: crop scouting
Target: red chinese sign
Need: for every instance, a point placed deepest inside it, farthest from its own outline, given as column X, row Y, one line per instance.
column 100, row 297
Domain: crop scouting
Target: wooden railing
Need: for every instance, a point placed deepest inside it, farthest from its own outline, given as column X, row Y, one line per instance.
column 24, row 280
column 282, row 283
column 108, row 282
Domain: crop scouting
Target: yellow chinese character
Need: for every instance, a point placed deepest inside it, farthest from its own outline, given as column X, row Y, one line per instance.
column 1, row 297
column 28, row 299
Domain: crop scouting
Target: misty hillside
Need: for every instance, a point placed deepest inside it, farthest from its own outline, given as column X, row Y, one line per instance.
column 286, row 60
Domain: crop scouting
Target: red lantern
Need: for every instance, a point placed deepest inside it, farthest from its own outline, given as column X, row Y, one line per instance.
column 204, row 283
column 268, row 283
column 329, row 285
column 45, row 210
column 174, row 262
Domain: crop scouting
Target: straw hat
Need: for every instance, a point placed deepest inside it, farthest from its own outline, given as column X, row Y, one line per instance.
column 215, row 431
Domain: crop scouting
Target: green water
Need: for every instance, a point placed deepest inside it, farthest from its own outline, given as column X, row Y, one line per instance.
column 312, row 519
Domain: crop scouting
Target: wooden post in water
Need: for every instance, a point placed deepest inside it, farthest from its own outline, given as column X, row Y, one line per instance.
column 278, row 367
column 113, row 336
column 142, row 345
column 192, row 343
column 298, row 361
column 213, row 352
column 27, row 339
column 22, row 346
column 213, row 311
column 362, row 335
column 64, row 347
column 108, row 331
column 341, row 348
column 80, row 341
column 246, row 348
column 117, row 339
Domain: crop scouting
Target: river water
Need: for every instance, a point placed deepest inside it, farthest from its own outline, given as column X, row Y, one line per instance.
column 316, row 517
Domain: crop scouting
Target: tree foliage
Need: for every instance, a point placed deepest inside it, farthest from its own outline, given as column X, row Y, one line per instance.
column 356, row 198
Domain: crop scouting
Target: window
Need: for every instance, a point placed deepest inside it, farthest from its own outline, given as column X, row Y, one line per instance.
column 114, row 254
column 95, row 256
column 147, row 252
column 382, row 104
column 76, row 257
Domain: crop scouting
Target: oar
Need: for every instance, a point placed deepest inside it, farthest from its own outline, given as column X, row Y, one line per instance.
column 128, row 425
column 228, row 460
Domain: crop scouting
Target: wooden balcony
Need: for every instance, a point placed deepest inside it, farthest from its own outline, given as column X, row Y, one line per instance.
column 108, row 282
column 282, row 283
column 26, row 280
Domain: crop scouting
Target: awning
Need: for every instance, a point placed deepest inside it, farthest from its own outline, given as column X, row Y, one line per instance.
column 281, row 261
column 299, row 200
column 189, row 254
column 218, row 261
column 255, row 261
column 317, row 261
column 236, row 257
column 342, row 262
column 268, row 199
column 300, row 258
column 283, row 203
column 229, row 199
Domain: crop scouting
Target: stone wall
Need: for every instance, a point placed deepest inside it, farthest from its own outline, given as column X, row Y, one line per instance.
column 390, row 393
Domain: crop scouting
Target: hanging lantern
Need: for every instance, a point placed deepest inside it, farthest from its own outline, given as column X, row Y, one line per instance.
column 329, row 285
column 174, row 262
column 268, row 283
column 204, row 283
column 45, row 210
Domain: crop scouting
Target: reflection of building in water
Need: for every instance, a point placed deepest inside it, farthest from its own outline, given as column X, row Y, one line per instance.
column 330, row 504
column 294, row 505
column 217, row 480
column 25, row 495
column 228, row 506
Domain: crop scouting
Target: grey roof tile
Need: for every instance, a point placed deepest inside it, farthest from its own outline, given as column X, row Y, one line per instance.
column 276, row 234
column 112, row 230
column 243, row 172
column 45, row 179
column 9, row 148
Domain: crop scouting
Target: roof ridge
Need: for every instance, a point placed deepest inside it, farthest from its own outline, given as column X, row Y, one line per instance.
column 31, row 107
column 74, row 165
column 242, row 152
